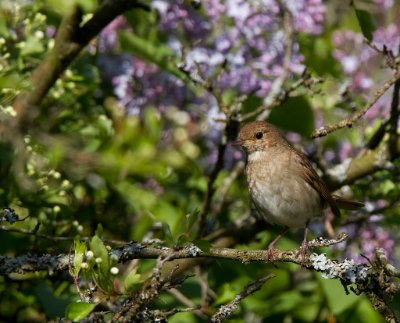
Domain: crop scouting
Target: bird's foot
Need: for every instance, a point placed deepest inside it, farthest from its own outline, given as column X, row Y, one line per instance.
column 271, row 247
column 303, row 251
column 270, row 252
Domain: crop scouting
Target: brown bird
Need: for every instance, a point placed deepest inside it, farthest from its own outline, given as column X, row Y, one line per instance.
column 284, row 187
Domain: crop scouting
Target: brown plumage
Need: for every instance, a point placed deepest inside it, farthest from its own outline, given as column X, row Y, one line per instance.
column 283, row 185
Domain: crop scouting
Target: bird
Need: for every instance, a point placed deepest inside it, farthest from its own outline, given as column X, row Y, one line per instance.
column 283, row 186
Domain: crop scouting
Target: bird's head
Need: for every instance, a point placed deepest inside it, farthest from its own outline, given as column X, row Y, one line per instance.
column 257, row 136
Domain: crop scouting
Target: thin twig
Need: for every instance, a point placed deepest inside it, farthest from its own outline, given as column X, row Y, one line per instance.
column 349, row 122
column 393, row 121
column 227, row 310
column 137, row 304
column 277, row 84
column 283, row 96
column 226, row 184
column 187, row 302
column 277, row 95
column 211, row 188
column 75, row 278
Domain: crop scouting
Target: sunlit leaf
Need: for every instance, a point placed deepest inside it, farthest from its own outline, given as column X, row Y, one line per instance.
column 78, row 311
column 337, row 299
column 80, row 249
column 366, row 22
column 318, row 56
column 132, row 280
column 203, row 245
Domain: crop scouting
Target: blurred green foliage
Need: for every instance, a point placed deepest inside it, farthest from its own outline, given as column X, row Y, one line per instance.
column 85, row 162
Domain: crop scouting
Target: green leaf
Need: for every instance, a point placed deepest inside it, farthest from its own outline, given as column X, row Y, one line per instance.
column 318, row 56
column 80, row 249
column 203, row 245
column 144, row 23
column 167, row 233
column 226, row 294
column 152, row 122
column 4, row 32
column 132, row 280
column 387, row 186
column 53, row 305
column 101, row 273
column 78, row 311
column 366, row 22
column 100, row 251
column 365, row 313
column 337, row 299
column 294, row 115
column 191, row 220
column 87, row 5
column 152, row 52
column 65, row 7
column 32, row 46
column 251, row 103
column 13, row 81
column 99, row 230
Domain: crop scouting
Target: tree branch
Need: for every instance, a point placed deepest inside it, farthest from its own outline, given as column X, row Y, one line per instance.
column 70, row 40
column 393, row 121
column 277, row 85
column 132, row 250
column 367, row 162
column 227, row 310
column 348, row 122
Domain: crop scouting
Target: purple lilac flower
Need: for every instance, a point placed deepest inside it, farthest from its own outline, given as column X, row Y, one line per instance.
column 308, row 15
column 388, row 37
column 368, row 238
column 373, row 237
column 247, row 35
column 386, row 4
column 359, row 62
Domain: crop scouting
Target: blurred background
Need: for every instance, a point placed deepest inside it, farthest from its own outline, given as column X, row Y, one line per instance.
column 135, row 136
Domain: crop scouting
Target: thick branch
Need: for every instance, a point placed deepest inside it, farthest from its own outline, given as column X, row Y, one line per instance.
column 31, row 263
column 70, row 40
column 366, row 163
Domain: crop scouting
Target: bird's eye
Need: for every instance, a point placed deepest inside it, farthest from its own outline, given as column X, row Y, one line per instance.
column 259, row 135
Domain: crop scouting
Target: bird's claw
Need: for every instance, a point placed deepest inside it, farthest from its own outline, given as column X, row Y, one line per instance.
column 303, row 251
column 270, row 253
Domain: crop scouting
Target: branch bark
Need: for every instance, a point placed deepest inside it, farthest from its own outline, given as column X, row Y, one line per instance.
column 70, row 40
column 129, row 251
column 349, row 122
column 367, row 162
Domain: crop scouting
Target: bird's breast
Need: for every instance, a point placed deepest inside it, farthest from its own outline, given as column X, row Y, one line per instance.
column 279, row 193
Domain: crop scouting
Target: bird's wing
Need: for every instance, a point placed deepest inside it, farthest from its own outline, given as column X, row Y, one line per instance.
column 312, row 178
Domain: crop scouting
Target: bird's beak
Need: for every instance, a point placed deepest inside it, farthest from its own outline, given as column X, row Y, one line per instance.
column 237, row 142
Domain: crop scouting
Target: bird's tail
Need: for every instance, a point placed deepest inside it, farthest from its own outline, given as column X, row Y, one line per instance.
column 346, row 204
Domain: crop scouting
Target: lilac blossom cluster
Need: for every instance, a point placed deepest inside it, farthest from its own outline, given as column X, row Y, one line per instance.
column 247, row 37
column 356, row 58
column 363, row 63
column 367, row 238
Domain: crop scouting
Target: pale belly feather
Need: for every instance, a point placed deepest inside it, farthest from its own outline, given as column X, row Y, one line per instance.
column 282, row 197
